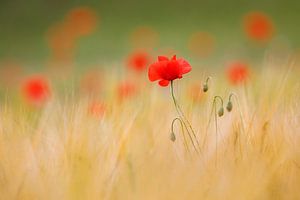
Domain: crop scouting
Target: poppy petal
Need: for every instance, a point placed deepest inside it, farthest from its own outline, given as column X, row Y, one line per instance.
column 184, row 65
column 163, row 83
column 174, row 57
column 163, row 58
column 153, row 72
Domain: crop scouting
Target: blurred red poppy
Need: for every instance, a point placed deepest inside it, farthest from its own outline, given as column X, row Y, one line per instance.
column 36, row 90
column 238, row 72
column 91, row 82
column 62, row 43
column 201, row 44
column 61, row 40
column 139, row 61
column 144, row 37
column 166, row 70
column 97, row 109
column 82, row 21
column 10, row 73
column 258, row 26
column 126, row 89
column 63, row 36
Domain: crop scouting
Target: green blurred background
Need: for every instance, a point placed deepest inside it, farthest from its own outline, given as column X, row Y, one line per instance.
column 23, row 25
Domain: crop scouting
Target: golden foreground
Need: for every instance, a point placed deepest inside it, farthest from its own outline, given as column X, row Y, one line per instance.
column 61, row 152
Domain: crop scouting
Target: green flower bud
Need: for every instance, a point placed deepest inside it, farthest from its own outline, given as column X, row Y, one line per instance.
column 205, row 87
column 172, row 137
column 229, row 106
column 221, row 112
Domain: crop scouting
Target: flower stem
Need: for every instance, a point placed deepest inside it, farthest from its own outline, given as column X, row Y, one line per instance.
column 185, row 122
column 216, row 126
column 213, row 111
column 182, row 131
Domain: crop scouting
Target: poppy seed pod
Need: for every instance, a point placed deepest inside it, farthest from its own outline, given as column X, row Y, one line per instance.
column 229, row 106
column 205, row 87
column 221, row 112
column 172, row 137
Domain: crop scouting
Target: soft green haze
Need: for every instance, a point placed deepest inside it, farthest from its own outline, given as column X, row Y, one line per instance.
column 23, row 25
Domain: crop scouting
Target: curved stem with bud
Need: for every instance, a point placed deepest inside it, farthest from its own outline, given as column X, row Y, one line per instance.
column 205, row 85
column 173, row 136
column 220, row 113
column 230, row 106
column 185, row 122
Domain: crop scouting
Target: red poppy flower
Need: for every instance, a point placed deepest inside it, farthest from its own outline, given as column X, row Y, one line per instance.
column 139, row 61
column 258, row 26
column 166, row 70
column 238, row 72
column 36, row 90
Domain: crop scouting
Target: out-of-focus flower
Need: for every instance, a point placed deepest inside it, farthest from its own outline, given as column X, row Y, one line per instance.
column 126, row 89
column 61, row 41
column 10, row 73
column 63, row 37
column 91, row 82
column 166, row 70
column 258, row 26
column 81, row 21
column 62, row 45
column 36, row 90
column 97, row 109
column 139, row 60
column 238, row 72
column 144, row 37
column 201, row 44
